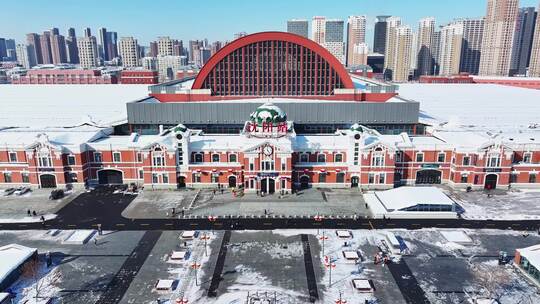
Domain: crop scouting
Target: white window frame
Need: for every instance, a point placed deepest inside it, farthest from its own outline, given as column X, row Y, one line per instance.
column 165, row 178
column 9, row 157
column 468, row 162
column 235, row 157
column 98, row 155
column 527, row 155
column 219, row 158
column 444, row 157
column 74, row 160
column 321, row 155
column 377, row 159
column 340, row 155
column 490, row 158
column 302, row 155
column 114, row 154
column 416, row 157
column 158, row 159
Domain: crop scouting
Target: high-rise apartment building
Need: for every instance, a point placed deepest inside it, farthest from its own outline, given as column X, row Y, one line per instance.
column 534, row 64
column 436, row 50
column 149, row 63
column 359, row 54
column 58, row 47
column 216, row 46
column 168, row 65
column 473, row 31
column 3, row 49
column 112, row 45
column 379, row 38
column 153, row 49
column 498, row 37
column 25, row 57
column 318, row 28
column 523, row 38
column 46, row 51
column 426, row 28
column 392, row 23
column 178, row 48
column 298, row 27
column 165, row 46
column 356, row 35
column 88, row 51
column 87, row 32
column 333, row 38
column 128, row 50
column 33, row 41
column 450, row 48
column 71, row 47
column 403, row 37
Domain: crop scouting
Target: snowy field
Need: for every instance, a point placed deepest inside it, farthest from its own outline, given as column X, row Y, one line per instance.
column 66, row 105
column 504, row 205
column 475, row 106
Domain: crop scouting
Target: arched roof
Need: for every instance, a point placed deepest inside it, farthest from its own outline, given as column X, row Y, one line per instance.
column 294, row 39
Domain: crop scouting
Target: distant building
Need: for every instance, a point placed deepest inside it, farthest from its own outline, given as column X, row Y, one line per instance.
column 165, row 46
column 379, row 38
column 139, row 77
column 523, row 39
column 87, row 32
column 128, row 51
column 25, row 57
column 149, row 63
column 356, row 38
column 46, row 52
column 239, row 35
column 424, row 54
column 33, row 41
column 3, row 49
column 168, row 66
column 450, row 48
column 298, row 27
column 333, row 38
column 376, row 62
column 216, row 46
column 534, row 65
column 497, row 40
column 71, row 47
column 58, row 48
column 63, row 76
column 473, row 31
column 153, row 49
column 202, row 56
column 88, row 52
column 318, row 29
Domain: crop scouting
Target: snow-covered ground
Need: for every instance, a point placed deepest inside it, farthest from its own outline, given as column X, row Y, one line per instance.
column 509, row 205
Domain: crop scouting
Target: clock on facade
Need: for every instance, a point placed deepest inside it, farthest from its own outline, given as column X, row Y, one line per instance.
column 267, row 150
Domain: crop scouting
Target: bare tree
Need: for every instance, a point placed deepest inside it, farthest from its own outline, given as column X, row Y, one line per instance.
column 34, row 271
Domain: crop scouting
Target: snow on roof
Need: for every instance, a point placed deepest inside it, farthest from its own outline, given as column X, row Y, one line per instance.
column 403, row 197
column 343, row 233
column 361, row 284
column 12, row 256
column 164, row 284
column 66, row 105
column 351, row 255
column 477, row 107
column 188, row 234
column 532, row 254
column 178, row 255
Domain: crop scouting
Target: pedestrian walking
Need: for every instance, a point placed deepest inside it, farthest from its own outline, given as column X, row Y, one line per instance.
column 28, row 212
column 183, row 213
column 48, row 259
column 222, row 190
column 100, row 231
column 173, row 211
column 95, row 241
column 42, row 220
column 265, row 213
column 34, row 213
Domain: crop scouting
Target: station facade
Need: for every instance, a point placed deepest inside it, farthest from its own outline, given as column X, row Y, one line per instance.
column 270, row 112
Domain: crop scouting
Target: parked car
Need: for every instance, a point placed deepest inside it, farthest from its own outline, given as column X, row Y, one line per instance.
column 56, row 194
column 9, row 191
column 22, row 190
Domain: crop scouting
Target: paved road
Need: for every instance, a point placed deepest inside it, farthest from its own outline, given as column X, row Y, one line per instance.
column 104, row 207
column 118, row 286
column 220, row 263
column 407, row 283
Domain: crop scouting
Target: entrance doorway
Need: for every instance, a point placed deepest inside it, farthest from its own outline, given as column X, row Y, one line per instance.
column 491, row 182
column 232, row 181
column 181, row 181
column 268, row 185
column 110, row 177
column 428, row 177
column 355, row 181
column 304, row 182
column 47, row 181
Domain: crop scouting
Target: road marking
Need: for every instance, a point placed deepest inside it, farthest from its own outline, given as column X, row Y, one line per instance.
column 194, row 224
column 370, row 224
column 390, row 224
column 267, row 224
column 22, row 225
column 71, row 225
column 168, row 224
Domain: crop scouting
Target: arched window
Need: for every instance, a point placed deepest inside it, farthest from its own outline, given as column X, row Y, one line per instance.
column 215, row 158
column 198, row 158
column 377, row 158
column 338, row 158
column 232, row 158
column 304, row 157
column 321, row 158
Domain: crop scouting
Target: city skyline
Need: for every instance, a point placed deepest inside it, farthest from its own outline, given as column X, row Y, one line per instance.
column 214, row 24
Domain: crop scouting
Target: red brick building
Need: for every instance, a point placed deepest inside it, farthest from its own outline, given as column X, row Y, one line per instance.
column 63, row 76
column 139, row 77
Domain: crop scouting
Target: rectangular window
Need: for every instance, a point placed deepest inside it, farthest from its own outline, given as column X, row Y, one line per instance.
column 117, row 157
column 338, row 158
column 322, row 177
column 7, row 177
column 377, row 160
column 215, row 158
column 382, row 178
column 464, row 178
column 25, row 177
column 139, row 157
column 155, row 178
column 283, row 183
column 215, row 178
column 283, row 164
column 196, row 178
column 251, row 165
column 340, row 177
column 371, row 178
column 71, row 160
column 399, row 156
column 158, row 160
column 12, row 157
column 441, row 157
column 141, row 174
column 419, row 157
column 527, row 157
column 165, row 178
column 45, row 161
column 304, row 158
column 494, row 161
column 97, row 157
column 532, row 178
column 466, row 160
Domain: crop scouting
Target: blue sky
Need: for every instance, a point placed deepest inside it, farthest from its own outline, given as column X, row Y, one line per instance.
column 213, row 19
